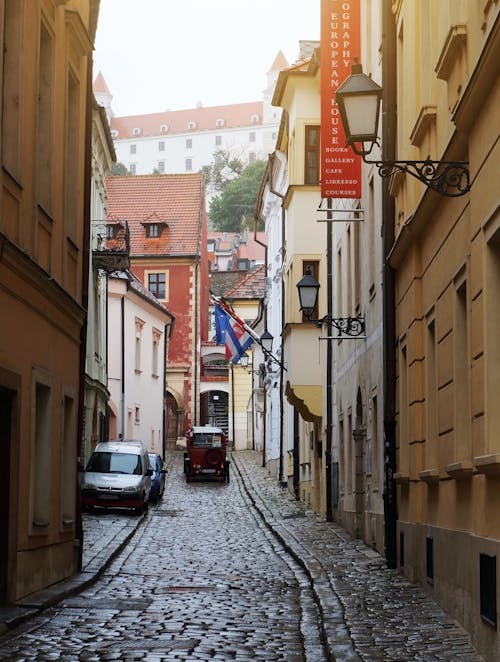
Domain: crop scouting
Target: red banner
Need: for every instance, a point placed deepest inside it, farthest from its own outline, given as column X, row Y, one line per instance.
column 340, row 44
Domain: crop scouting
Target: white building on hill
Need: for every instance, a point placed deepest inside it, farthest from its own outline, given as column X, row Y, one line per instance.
column 180, row 141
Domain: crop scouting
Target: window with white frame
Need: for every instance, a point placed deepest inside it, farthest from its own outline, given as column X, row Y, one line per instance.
column 189, row 165
column 189, row 143
column 251, row 136
column 218, row 141
column 156, row 352
column 161, row 167
column 132, row 168
column 161, row 146
column 219, row 123
column 139, row 325
column 133, row 148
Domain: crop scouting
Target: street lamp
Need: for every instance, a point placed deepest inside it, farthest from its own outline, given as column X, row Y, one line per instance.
column 358, row 100
column 308, row 288
column 266, row 340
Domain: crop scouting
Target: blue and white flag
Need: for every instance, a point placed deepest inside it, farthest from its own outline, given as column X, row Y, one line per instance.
column 230, row 332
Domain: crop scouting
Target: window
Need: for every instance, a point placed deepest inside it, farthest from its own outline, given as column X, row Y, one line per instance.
column 136, row 132
column 218, row 141
column 152, row 230
column 161, row 167
column 11, row 105
column 429, row 560
column 157, row 284
column 139, row 324
column 219, row 123
column 191, row 125
column 161, row 146
column 211, row 245
column 156, row 352
column 110, row 231
column 137, row 416
column 251, row 157
column 41, row 455
column 133, row 148
column 189, row 143
column 72, row 209
column 68, row 462
column 251, row 136
column 254, row 119
column 132, row 168
column 45, row 126
column 114, row 133
column 163, row 128
column 189, row 165
column 311, row 175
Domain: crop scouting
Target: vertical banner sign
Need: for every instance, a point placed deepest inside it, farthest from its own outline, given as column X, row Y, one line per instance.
column 340, row 44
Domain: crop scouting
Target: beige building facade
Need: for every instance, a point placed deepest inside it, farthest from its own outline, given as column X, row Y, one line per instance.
column 44, row 242
column 447, row 266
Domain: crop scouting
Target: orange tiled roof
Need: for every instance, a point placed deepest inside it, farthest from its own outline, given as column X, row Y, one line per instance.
column 100, row 84
column 176, row 121
column 251, row 286
column 176, row 200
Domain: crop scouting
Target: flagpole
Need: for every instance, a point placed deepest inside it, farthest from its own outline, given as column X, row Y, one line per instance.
column 254, row 335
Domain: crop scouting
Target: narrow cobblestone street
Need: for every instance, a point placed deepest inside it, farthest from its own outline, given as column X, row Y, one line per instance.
column 235, row 571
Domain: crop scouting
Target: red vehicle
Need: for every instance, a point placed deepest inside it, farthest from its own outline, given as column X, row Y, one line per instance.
column 205, row 456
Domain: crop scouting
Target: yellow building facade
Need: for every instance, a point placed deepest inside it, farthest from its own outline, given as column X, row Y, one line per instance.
column 44, row 241
column 446, row 259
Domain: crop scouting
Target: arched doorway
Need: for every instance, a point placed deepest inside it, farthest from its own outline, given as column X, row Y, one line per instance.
column 214, row 409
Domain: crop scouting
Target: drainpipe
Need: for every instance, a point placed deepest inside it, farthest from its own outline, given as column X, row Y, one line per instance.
column 264, row 432
column 389, row 339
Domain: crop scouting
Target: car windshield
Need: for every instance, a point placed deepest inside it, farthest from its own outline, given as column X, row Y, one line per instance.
column 210, row 439
column 115, row 463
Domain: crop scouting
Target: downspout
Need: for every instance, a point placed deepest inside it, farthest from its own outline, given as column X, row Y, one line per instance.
column 87, row 187
column 389, row 65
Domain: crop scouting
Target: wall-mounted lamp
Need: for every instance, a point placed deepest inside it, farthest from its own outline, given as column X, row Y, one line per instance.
column 308, row 287
column 358, row 99
column 266, row 340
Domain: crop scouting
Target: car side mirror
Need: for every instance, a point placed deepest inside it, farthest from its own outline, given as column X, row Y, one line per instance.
column 149, row 472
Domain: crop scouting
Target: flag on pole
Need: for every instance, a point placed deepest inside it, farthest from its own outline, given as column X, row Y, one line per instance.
column 229, row 332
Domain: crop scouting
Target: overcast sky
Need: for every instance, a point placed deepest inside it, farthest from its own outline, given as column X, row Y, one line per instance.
column 170, row 54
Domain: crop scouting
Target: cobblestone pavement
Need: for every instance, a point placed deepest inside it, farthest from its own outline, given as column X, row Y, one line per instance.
column 369, row 612
column 203, row 578
column 239, row 571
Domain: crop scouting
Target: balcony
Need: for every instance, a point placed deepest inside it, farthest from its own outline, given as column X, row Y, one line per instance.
column 110, row 245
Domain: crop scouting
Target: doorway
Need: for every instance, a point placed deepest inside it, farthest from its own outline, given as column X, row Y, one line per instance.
column 7, row 400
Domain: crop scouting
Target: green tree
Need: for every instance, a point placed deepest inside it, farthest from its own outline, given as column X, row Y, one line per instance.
column 234, row 208
column 118, row 169
column 224, row 168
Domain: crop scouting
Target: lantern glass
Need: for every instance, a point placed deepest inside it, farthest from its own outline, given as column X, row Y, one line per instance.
column 361, row 112
column 308, row 288
column 267, row 341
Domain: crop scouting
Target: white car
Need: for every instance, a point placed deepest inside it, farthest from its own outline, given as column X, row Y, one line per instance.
column 117, row 475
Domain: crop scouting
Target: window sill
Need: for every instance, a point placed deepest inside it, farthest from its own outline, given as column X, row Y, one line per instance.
column 488, row 464
column 460, row 470
column 429, row 476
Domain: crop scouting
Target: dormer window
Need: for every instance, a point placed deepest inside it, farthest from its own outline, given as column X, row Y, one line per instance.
column 191, row 125
column 136, row 132
column 114, row 133
column 219, row 123
column 254, row 119
column 154, row 228
column 163, row 128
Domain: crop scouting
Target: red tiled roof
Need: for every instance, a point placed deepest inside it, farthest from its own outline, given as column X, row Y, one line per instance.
column 234, row 115
column 176, row 200
column 252, row 286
